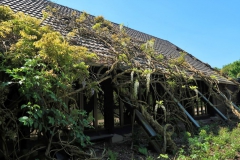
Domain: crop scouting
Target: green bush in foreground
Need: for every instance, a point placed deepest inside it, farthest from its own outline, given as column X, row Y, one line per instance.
column 207, row 145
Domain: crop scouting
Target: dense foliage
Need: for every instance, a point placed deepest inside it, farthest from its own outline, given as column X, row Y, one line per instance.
column 38, row 71
column 213, row 142
column 232, row 69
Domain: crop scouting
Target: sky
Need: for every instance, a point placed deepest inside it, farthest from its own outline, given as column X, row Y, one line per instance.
column 207, row 29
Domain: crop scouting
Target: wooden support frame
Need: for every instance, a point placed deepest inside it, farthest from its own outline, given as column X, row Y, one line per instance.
column 201, row 109
column 181, row 106
column 215, row 108
column 231, row 103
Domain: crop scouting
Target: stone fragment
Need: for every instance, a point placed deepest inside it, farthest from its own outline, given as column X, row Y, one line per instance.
column 117, row 138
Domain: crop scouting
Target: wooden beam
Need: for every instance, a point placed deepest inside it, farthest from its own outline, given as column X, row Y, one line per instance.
column 147, row 127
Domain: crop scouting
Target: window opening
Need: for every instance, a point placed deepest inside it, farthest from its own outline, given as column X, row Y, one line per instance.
column 200, row 108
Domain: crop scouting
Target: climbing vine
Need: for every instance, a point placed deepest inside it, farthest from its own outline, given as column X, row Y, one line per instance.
column 38, row 71
column 146, row 73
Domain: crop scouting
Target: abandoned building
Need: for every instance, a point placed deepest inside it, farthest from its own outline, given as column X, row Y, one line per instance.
column 116, row 112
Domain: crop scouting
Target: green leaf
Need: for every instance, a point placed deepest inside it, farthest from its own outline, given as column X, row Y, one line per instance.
column 40, row 127
column 3, row 84
column 35, row 116
column 23, row 119
column 26, row 120
column 23, row 106
column 35, row 124
column 39, row 113
column 36, row 106
column 51, row 132
column 53, row 96
column 29, row 112
column 165, row 156
column 51, row 120
column 30, row 121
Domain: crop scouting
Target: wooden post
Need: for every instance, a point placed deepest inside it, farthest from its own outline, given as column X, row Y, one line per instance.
column 95, row 114
column 108, row 105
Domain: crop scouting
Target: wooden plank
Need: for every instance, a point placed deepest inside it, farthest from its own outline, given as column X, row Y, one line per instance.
column 145, row 124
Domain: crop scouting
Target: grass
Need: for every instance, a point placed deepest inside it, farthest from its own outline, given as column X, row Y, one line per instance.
column 212, row 143
column 112, row 155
